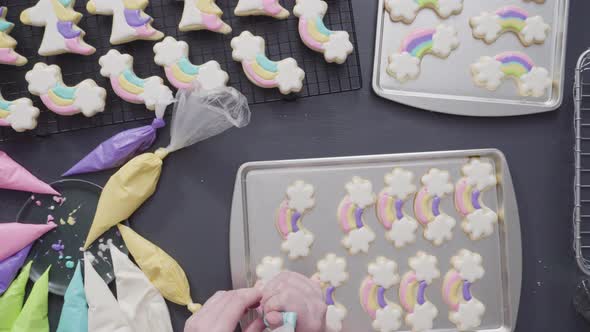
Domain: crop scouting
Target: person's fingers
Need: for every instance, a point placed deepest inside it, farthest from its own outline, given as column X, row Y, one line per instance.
column 274, row 319
column 211, row 304
column 255, row 326
column 240, row 300
column 307, row 283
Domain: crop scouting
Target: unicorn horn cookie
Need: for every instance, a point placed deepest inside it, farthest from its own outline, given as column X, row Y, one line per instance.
column 386, row 315
column 465, row 310
column 61, row 35
column 401, row 227
column 46, row 82
column 119, row 69
column 335, row 45
column 263, row 72
column 7, row 44
column 479, row 220
column 332, row 274
column 405, row 64
column 407, row 10
column 529, row 29
column 173, row 56
column 202, row 15
column 359, row 197
column 261, row 7
column 296, row 239
column 489, row 72
column 412, row 292
column 438, row 226
column 130, row 22
column 20, row 114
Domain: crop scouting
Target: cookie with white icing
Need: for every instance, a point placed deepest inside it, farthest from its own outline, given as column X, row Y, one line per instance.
column 202, row 15
column 405, row 64
column 400, row 226
column 297, row 240
column 269, row 268
column 332, row 274
column 118, row 68
column 438, row 226
column 261, row 7
column 466, row 311
column 532, row 80
column 7, row 44
column 420, row 312
column 407, row 10
column 263, row 72
column 20, row 114
column 85, row 97
column 61, row 35
column 529, row 29
column 335, row 45
column 181, row 73
column 359, row 197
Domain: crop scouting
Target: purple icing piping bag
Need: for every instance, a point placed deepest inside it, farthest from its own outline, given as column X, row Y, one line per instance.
column 10, row 266
column 118, row 149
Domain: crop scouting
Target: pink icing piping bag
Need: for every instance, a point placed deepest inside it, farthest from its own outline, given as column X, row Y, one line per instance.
column 13, row 176
column 14, row 236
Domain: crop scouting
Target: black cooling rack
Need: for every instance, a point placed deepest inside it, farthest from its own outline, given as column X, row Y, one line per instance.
column 282, row 40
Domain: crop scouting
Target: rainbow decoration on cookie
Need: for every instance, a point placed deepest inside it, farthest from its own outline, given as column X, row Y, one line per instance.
column 20, row 114
column 47, row 83
column 479, row 220
column 265, row 73
column 407, row 10
column 296, row 239
column 529, row 29
column 173, row 56
column 130, row 22
column 202, row 14
column 412, row 291
column 465, row 310
column 359, row 197
column 335, row 45
column 386, row 315
column 7, row 44
column 62, row 35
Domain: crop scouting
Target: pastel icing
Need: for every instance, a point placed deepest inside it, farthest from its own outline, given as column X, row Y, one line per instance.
column 20, row 114
column 85, row 97
column 332, row 274
column 412, row 292
column 181, row 73
column 296, row 239
column 335, row 45
column 407, row 10
column 130, row 22
column 202, row 15
column 263, row 72
column 386, row 315
column 360, row 196
column 7, row 44
column 261, row 7
column 61, row 35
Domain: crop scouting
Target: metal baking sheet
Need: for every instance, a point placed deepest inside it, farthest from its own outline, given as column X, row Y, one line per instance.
column 260, row 187
column 445, row 85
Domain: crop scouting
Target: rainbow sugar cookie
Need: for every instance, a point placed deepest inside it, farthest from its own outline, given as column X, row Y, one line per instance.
column 529, row 29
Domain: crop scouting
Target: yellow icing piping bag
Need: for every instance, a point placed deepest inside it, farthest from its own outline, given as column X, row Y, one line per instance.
column 197, row 116
column 162, row 270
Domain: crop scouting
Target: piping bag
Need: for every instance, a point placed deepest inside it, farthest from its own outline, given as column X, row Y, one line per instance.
column 13, row 176
column 120, row 148
column 289, row 322
column 197, row 115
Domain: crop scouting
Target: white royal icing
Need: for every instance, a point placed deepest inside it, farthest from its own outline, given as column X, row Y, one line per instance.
column 155, row 92
column 479, row 174
column 440, row 229
column 310, row 8
column 468, row 265
column 290, row 76
column 211, row 76
column 424, row 265
column 402, row 232
column 406, row 10
column 23, row 115
column 400, row 183
column 358, row 240
column 42, row 78
column 169, row 51
column 535, row 83
column 334, row 316
column 486, row 26
column 487, row 72
column 388, row 319
column 444, row 40
column 297, row 244
column 114, row 63
column 535, row 30
column 480, row 223
column 360, row 192
column 422, row 318
column 245, row 6
column 338, row 47
column 437, row 182
column 403, row 66
column 246, row 46
column 332, row 270
column 300, row 195
column 269, row 268
column 448, row 7
column 89, row 98
column 257, row 7
column 469, row 315
column 384, row 272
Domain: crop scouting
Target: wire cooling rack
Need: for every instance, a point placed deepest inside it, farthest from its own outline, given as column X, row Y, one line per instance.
column 282, row 40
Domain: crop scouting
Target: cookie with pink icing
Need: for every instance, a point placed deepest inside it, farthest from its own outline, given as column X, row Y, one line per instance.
column 202, row 15
column 386, row 314
column 490, row 26
column 85, row 97
column 438, row 226
column 400, row 226
column 263, row 72
column 297, row 240
column 407, row 10
column 61, row 35
column 20, row 114
column 261, row 7
column 332, row 274
column 335, row 45
column 7, row 44
column 360, row 197
column 531, row 80
column 478, row 219
column 465, row 311
column 404, row 64
column 420, row 312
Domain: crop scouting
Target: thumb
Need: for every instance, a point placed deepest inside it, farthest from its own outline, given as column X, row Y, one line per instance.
column 255, row 326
